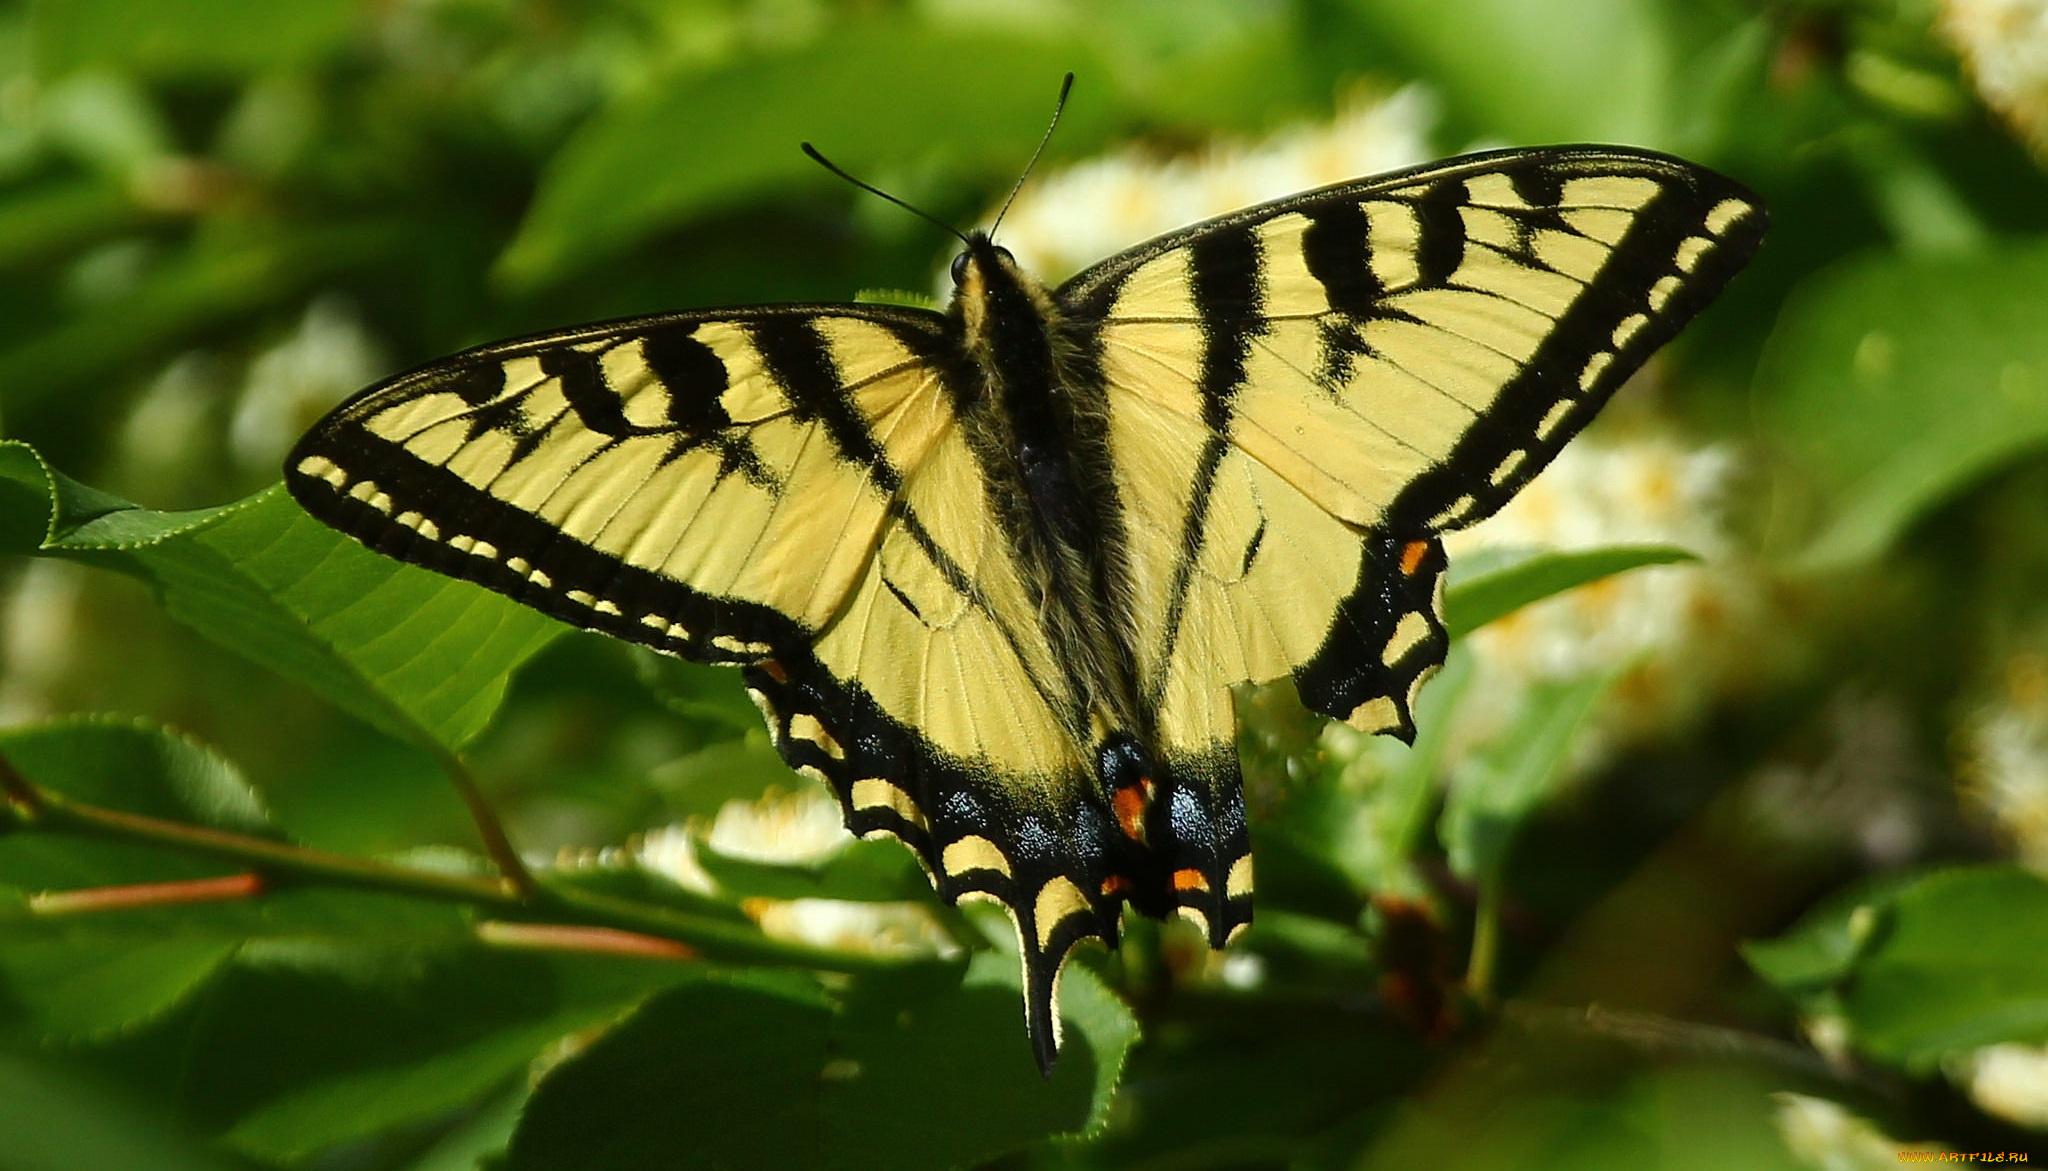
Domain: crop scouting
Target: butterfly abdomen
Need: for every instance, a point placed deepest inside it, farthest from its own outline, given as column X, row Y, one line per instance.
column 1042, row 471
column 1179, row 839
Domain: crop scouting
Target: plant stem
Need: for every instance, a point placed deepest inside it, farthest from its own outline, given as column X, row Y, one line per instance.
column 497, row 844
column 36, row 809
column 1663, row 1037
column 1485, row 942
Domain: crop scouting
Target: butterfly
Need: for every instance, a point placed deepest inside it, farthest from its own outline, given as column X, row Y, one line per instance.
column 992, row 573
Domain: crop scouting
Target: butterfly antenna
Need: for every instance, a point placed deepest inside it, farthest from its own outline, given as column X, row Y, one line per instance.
column 871, row 189
column 1058, row 107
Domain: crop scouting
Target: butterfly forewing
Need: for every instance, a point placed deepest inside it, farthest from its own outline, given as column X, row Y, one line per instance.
column 659, row 480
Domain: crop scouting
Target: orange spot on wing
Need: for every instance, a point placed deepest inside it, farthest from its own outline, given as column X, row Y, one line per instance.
column 1115, row 884
column 1411, row 557
column 1129, row 803
column 773, row 669
column 1190, row 879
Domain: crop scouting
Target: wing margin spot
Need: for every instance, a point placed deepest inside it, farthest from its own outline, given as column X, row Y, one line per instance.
column 1058, row 900
column 874, row 794
column 1239, row 883
column 971, row 853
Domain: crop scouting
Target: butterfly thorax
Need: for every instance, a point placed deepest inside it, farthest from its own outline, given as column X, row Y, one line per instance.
column 1043, row 450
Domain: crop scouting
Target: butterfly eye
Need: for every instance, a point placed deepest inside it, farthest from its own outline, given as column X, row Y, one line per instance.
column 1005, row 254
column 960, row 269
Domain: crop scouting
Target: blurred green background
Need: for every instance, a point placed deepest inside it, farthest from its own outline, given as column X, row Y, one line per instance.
column 1714, row 865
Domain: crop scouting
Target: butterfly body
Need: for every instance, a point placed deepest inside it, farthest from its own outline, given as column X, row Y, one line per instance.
column 992, row 573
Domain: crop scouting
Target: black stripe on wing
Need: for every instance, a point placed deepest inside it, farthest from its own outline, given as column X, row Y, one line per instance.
column 416, row 510
column 1640, row 299
column 1225, row 269
column 1045, row 847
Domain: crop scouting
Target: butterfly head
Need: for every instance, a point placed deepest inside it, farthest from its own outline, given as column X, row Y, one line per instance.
column 989, row 287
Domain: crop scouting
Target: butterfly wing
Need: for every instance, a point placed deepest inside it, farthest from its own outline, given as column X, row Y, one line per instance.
column 1301, row 396
column 786, row 490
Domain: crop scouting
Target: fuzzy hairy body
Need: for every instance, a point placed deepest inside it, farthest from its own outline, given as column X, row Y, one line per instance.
column 1035, row 415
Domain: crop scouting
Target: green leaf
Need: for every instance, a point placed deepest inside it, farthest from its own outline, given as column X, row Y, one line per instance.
column 66, row 985
column 1512, row 776
column 479, row 1142
column 1229, row 1080
column 874, row 93
column 1562, row 71
column 420, row 656
column 1567, row 1108
column 200, row 288
column 92, row 975
column 1894, row 383
column 1920, row 966
column 906, row 298
column 713, row 696
column 130, row 766
column 58, row 1122
column 748, row 1072
column 701, row 782
column 1499, row 588
column 1385, row 790
column 182, row 36
column 1957, row 965
column 43, row 510
column 77, row 990
column 308, row 1043
column 310, row 1119
column 348, row 1013
column 1822, row 949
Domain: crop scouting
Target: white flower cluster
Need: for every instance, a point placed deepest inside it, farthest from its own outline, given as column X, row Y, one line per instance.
column 196, row 410
column 1076, row 216
column 2005, row 43
column 2008, row 1081
column 1675, row 635
column 2005, row 759
column 1826, row 1136
column 330, row 356
column 800, row 827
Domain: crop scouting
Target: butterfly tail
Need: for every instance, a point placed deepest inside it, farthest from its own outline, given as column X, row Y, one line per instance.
column 1048, row 929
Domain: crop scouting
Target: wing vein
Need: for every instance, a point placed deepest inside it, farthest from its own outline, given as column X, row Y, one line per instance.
column 1341, row 400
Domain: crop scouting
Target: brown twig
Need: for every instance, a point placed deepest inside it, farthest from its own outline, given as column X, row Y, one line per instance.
column 497, row 844
column 277, row 863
